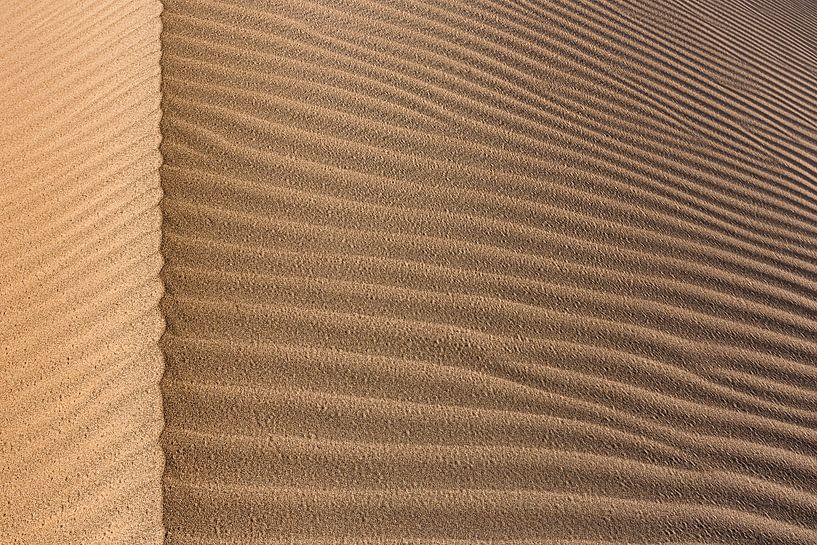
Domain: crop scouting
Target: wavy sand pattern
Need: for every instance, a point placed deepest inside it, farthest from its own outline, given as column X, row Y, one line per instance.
column 435, row 271
column 80, row 410
column 446, row 270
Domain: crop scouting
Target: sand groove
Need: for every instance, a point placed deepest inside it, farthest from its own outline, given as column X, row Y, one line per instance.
column 442, row 271
column 79, row 273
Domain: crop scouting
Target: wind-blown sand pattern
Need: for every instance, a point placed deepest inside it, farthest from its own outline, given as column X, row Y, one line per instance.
column 435, row 271
column 444, row 270
column 80, row 410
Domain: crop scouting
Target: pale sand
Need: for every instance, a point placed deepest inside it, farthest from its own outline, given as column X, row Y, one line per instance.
column 80, row 408
column 436, row 271
column 490, row 269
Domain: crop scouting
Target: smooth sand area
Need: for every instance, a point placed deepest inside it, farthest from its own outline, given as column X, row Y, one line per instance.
column 80, row 408
column 510, row 270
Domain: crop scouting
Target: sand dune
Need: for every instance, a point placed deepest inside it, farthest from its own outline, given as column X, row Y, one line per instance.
column 80, row 411
column 434, row 271
column 448, row 271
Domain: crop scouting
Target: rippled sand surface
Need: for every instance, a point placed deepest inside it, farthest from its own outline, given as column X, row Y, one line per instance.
column 435, row 271
column 80, row 408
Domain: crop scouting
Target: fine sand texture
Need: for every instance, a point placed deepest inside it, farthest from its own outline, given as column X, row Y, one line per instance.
column 520, row 272
column 80, row 406
column 446, row 271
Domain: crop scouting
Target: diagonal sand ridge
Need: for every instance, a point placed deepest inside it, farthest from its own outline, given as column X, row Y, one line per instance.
column 80, row 411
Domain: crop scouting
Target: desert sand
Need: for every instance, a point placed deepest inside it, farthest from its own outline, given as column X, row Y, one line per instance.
column 433, row 271
column 80, row 406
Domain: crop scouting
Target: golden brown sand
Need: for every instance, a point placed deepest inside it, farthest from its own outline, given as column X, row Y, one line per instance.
column 450, row 270
column 80, row 408
column 435, row 271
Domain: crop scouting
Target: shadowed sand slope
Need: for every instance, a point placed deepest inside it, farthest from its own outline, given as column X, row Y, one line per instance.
column 448, row 270
column 80, row 407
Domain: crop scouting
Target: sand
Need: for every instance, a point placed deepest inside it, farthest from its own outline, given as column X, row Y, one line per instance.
column 80, row 408
column 434, row 271
column 448, row 270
